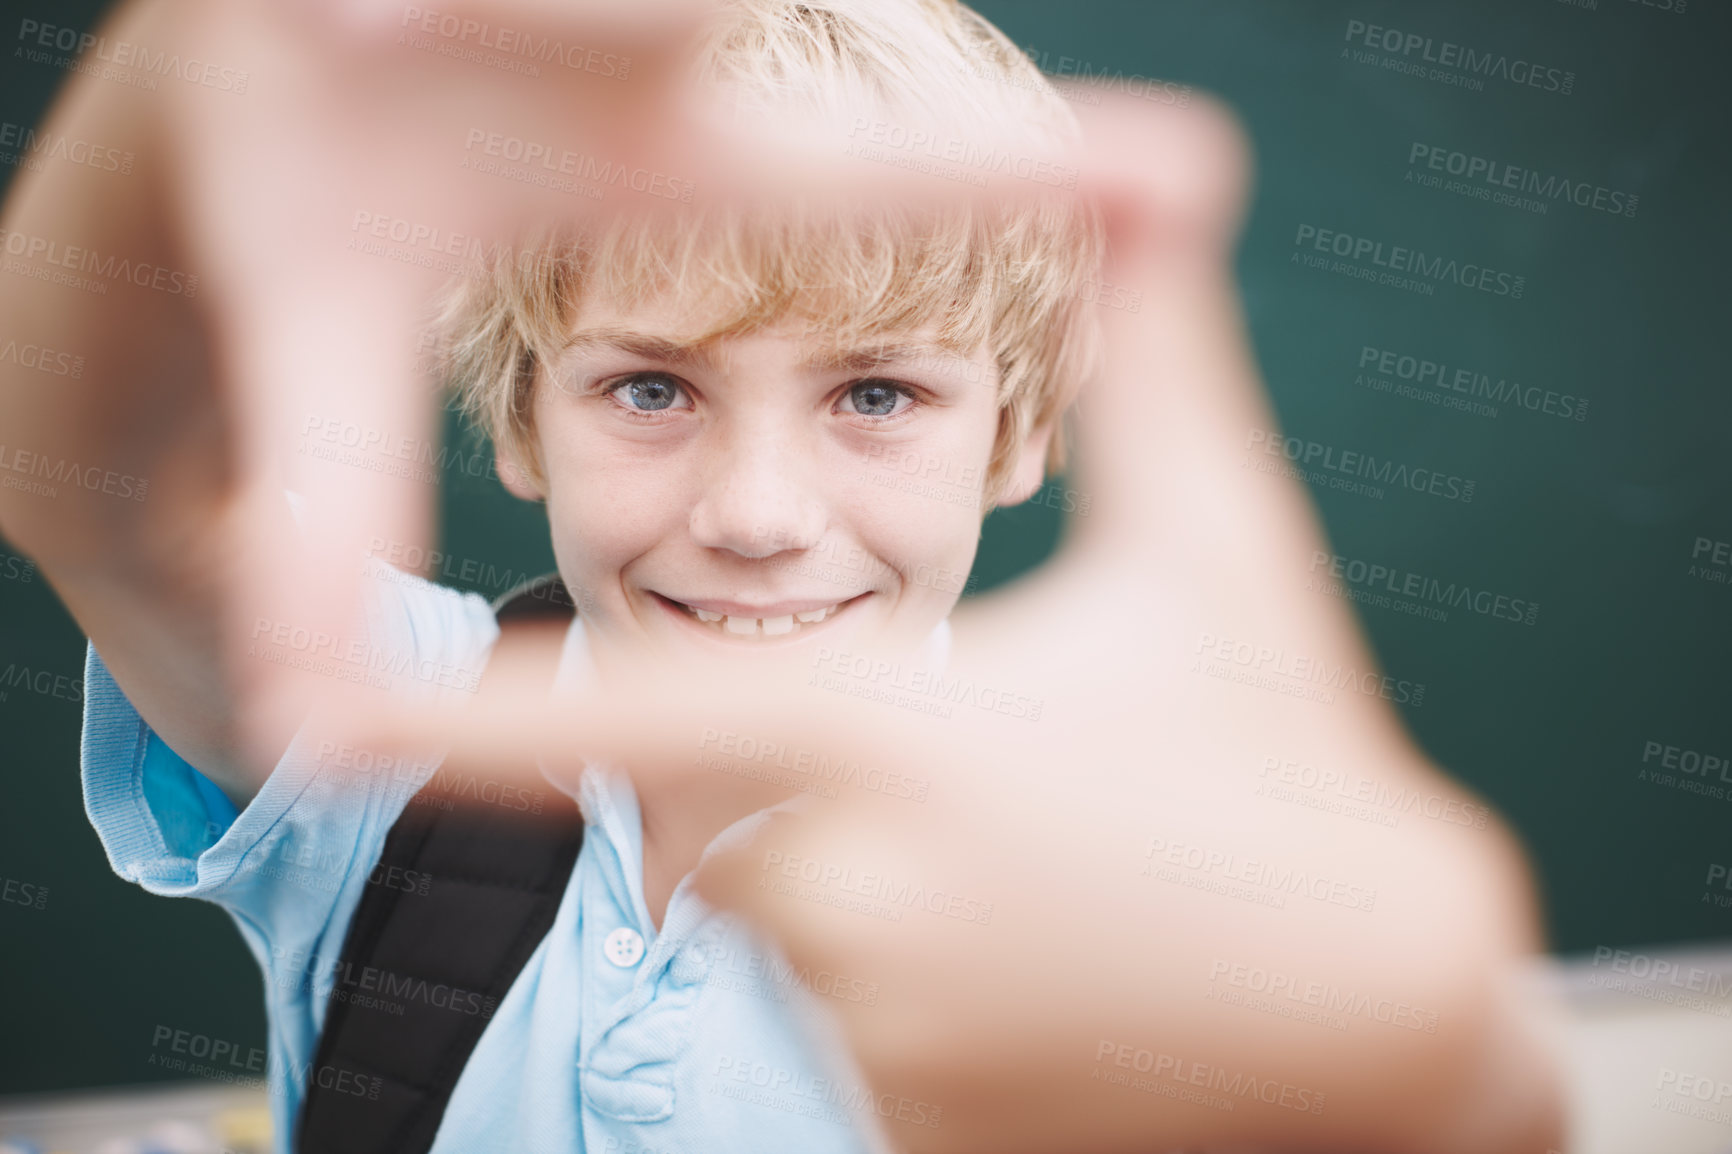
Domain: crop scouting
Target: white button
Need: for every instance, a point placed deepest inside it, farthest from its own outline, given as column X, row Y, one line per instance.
column 624, row 947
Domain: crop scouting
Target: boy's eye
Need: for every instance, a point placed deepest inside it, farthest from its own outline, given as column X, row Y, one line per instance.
column 878, row 398
column 650, row 393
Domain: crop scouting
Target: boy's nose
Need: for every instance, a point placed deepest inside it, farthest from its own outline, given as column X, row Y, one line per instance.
column 757, row 504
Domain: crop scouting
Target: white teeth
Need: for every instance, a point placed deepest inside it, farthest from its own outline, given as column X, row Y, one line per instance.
column 770, row 626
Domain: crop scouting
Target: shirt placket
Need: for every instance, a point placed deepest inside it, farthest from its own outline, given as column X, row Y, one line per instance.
column 621, row 1065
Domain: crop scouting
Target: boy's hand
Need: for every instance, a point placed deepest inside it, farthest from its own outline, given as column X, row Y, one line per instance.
column 275, row 347
column 1055, row 891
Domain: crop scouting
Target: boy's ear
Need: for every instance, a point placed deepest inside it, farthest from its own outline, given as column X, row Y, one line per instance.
column 1030, row 472
column 515, row 477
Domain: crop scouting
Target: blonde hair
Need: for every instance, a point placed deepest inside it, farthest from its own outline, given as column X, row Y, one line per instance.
column 1013, row 276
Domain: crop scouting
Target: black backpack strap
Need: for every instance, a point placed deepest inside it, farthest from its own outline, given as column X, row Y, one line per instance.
column 463, row 893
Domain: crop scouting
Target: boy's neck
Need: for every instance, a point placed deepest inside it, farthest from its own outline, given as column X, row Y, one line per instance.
column 678, row 825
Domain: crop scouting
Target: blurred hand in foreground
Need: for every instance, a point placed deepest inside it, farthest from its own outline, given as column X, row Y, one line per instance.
column 263, row 329
column 1100, row 867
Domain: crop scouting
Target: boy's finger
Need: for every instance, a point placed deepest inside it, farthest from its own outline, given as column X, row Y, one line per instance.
column 1171, row 431
column 762, row 735
column 1174, row 381
column 332, row 413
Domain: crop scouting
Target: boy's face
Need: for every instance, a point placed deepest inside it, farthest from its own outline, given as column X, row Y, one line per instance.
column 764, row 492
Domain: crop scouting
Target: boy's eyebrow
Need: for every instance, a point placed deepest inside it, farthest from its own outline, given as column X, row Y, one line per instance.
column 638, row 344
column 666, row 349
column 874, row 356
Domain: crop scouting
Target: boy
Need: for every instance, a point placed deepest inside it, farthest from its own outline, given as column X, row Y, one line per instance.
column 699, row 404
column 724, row 450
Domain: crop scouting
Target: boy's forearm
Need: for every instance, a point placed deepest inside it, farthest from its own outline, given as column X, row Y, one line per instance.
column 84, row 455
column 117, row 480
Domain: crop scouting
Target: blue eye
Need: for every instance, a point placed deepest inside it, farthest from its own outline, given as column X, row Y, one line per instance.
column 877, row 398
column 648, row 392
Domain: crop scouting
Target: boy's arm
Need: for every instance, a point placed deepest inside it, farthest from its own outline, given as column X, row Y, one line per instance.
column 220, row 312
column 120, row 480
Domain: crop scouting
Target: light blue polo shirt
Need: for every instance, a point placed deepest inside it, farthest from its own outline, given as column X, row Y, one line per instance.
column 614, row 1039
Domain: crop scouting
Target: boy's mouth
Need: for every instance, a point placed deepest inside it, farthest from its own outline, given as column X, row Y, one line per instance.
column 742, row 622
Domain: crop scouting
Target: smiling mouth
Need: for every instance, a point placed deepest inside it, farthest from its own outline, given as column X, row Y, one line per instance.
column 741, row 627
